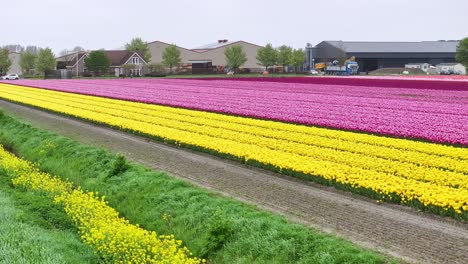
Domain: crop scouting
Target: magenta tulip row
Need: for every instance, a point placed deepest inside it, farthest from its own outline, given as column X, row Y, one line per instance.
column 438, row 115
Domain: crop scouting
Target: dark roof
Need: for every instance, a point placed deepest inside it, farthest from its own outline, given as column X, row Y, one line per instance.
column 71, row 58
column 402, row 47
column 119, row 57
column 76, row 58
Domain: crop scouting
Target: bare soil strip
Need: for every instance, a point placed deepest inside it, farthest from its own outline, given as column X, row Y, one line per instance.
column 395, row 230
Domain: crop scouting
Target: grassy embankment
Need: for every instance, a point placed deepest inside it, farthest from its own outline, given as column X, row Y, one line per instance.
column 219, row 229
column 35, row 230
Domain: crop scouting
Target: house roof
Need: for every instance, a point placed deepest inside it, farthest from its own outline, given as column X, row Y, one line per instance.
column 401, row 47
column 120, row 57
column 208, row 47
column 70, row 59
column 117, row 57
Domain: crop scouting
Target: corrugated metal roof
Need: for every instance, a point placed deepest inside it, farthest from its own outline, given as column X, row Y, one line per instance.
column 213, row 45
column 404, row 47
column 448, row 64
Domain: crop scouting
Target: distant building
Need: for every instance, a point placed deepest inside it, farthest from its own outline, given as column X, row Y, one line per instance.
column 451, row 68
column 202, row 59
column 15, row 67
column 375, row 55
column 121, row 58
column 423, row 66
column 74, row 62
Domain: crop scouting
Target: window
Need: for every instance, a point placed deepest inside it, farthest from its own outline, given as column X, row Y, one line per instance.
column 135, row 60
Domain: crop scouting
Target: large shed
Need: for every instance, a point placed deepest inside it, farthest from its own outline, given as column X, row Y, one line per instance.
column 372, row 55
column 202, row 59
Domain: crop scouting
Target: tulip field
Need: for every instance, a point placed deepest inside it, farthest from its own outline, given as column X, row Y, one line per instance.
column 404, row 145
column 433, row 115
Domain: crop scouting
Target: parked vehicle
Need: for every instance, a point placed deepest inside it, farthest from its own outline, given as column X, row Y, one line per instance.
column 11, row 76
column 350, row 68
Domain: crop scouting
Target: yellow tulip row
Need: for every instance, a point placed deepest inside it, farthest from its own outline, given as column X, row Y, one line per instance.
column 435, row 175
column 114, row 238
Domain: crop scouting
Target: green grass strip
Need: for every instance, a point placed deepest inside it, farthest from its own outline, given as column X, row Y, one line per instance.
column 213, row 227
column 33, row 230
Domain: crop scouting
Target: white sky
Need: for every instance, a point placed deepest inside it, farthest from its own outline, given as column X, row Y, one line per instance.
column 109, row 24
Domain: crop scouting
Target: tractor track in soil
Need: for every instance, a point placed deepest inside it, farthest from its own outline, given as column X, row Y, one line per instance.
column 395, row 230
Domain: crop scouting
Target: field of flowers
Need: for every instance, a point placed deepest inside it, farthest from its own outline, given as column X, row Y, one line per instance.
column 437, row 114
column 425, row 175
column 100, row 226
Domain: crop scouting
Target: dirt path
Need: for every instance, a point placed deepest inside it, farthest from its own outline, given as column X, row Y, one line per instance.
column 391, row 229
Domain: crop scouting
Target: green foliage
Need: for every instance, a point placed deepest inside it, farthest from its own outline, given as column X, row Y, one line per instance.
column 284, row 55
column 462, row 52
column 45, row 61
column 267, row 56
column 119, row 166
column 155, row 68
column 27, row 62
column 5, row 62
column 97, row 62
column 35, row 230
column 235, row 56
column 171, row 56
column 137, row 44
column 297, row 58
column 220, row 230
column 226, row 230
column 127, row 68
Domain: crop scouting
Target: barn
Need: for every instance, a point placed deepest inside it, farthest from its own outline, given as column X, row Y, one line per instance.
column 372, row 55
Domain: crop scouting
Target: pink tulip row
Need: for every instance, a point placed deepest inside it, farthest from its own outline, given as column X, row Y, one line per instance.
column 438, row 115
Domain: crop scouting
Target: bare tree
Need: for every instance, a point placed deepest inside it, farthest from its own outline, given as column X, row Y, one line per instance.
column 341, row 56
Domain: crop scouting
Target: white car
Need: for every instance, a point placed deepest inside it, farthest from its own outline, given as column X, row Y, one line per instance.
column 11, row 76
column 314, row 72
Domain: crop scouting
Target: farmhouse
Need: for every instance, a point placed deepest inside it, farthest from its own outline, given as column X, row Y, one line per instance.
column 73, row 62
column 122, row 61
column 375, row 55
column 204, row 58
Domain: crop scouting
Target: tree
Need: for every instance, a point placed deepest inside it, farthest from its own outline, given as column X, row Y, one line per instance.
column 284, row 55
column 341, row 55
column 462, row 52
column 267, row 56
column 235, row 57
column 72, row 51
column 32, row 49
column 27, row 62
column 137, row 44
column 128, row 68
column 78, row 48
column 5, row 61
column 171, row 56
column 97, row 62
column 297, row 58
column 155, row 68
column 14, row 48
column 45, row 61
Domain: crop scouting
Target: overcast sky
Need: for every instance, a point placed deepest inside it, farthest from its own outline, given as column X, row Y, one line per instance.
column 109, row 24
